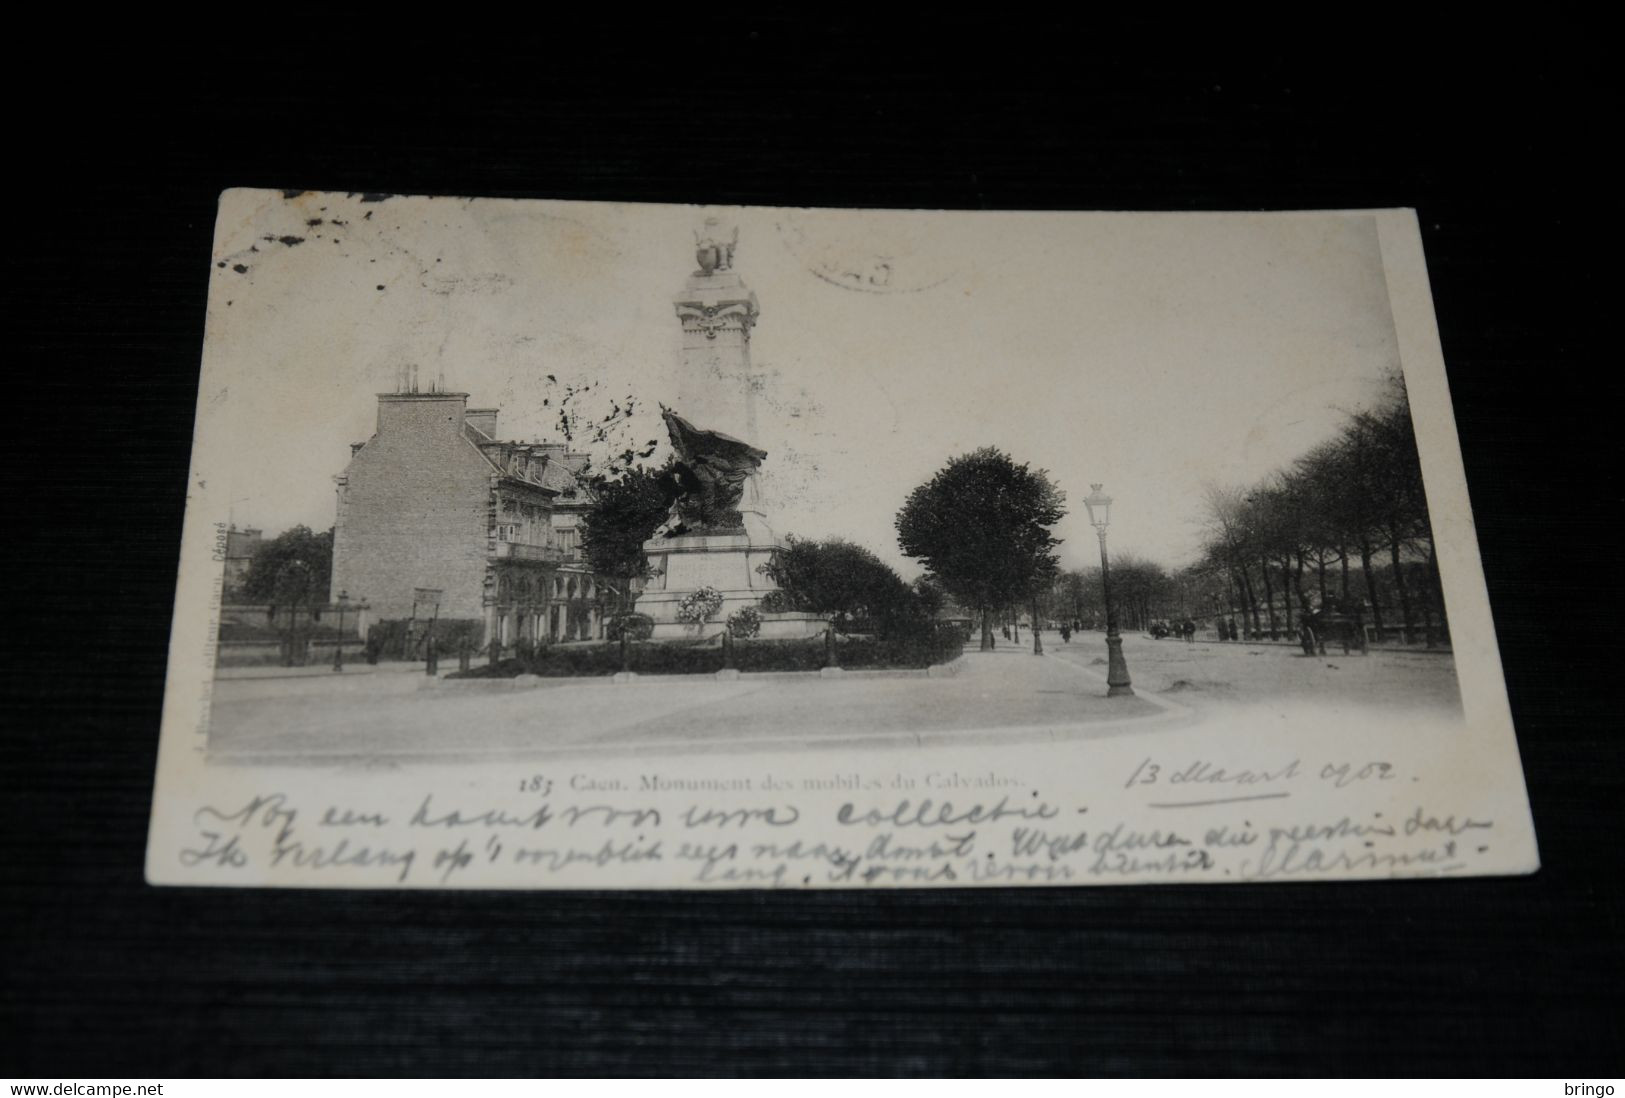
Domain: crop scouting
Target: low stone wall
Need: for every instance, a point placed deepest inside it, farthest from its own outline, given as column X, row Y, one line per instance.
column 269, row 653
column 247, row 615
column 792, row 626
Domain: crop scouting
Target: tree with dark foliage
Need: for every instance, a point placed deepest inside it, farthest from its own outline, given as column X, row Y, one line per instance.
column 294, row 568
column 981, row 526
column 932, row 595
column 845, row 581
column 626, row 511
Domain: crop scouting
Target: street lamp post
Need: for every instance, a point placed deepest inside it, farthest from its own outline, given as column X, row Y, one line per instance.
column 1117, row 680
column 338, row 649
column 292, row 587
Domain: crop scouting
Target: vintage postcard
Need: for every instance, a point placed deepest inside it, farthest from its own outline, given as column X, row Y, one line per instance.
column 541, row 544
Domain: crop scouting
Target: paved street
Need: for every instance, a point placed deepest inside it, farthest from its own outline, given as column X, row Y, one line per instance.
column 391, row 717
column 1206, row 674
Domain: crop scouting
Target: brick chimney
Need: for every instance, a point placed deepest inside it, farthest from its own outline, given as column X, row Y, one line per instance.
column 421, row 413
column 483, row 420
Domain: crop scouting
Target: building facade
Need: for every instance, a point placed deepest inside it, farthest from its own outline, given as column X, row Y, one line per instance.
column 439, row 520
column 241, row 545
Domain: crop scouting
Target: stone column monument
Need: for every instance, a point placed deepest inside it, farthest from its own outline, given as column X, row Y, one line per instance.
column 717, row 535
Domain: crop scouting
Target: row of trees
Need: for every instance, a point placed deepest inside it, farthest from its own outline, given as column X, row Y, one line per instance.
column 1345, row 527
column 1143, row 590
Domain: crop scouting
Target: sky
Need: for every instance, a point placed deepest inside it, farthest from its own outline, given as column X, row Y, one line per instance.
column 1152, row 353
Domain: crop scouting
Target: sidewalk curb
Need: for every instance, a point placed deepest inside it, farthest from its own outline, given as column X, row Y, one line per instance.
column 1170, row 708
column 353, row 670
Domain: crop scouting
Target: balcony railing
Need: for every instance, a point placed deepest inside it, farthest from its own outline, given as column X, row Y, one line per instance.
column 513, row 550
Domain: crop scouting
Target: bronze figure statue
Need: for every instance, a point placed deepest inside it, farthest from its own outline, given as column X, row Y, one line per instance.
column 710, row 477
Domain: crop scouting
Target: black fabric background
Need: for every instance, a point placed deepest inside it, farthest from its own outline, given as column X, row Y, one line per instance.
column 128, row 133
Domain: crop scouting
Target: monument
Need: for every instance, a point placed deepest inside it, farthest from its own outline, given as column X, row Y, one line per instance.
column 716, row 537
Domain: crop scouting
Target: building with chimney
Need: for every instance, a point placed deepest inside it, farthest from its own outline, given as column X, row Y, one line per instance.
column 440, row 520
column 241, row 545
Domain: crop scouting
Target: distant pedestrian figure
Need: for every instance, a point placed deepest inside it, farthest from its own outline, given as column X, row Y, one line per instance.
column 1306, row 637
column 1189, row 629
column 431, row 664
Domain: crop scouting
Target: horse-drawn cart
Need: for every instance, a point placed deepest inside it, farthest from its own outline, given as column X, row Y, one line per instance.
column 1347, row 630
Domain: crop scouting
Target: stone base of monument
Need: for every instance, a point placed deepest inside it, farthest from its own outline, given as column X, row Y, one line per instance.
column 727, row 563
column 792, row 626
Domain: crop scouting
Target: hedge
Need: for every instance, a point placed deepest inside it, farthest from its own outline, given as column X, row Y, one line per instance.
column 690, row 658
column 637, row 626
column 937, row 644
column 387, row 639
column 565, row 660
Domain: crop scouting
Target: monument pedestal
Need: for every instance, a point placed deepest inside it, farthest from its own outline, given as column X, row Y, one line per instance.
column 726, row 562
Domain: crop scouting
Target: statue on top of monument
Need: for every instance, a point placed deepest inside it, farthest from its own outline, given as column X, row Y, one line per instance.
column 711, row 250
column 710, row 477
